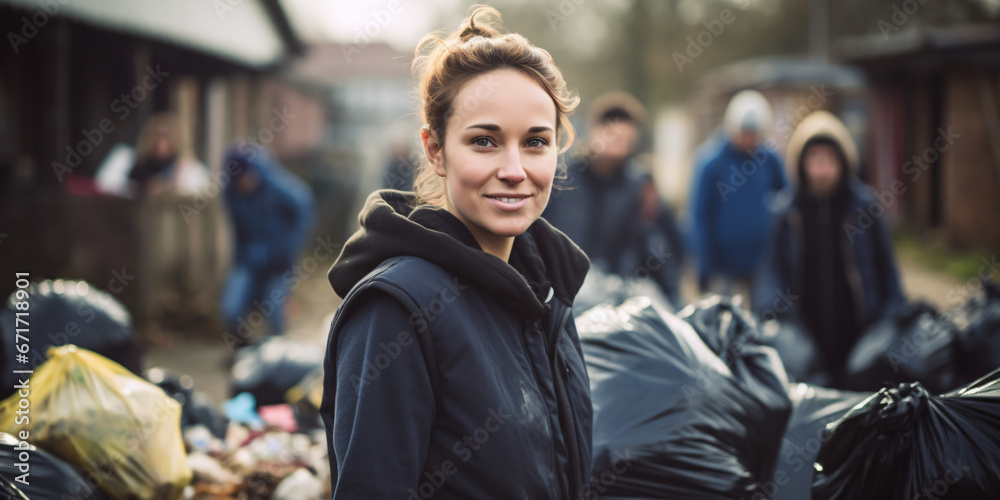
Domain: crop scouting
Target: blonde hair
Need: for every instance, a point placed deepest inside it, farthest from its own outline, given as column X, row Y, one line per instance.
column 443, row 66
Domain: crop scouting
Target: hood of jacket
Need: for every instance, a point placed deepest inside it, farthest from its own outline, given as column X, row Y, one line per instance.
column 822, row 126
column 542, row 259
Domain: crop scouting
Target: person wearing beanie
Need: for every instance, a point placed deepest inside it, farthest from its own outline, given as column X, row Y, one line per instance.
column 821, row 271
column 610, row 207
column 734, row 181
column 271, row 212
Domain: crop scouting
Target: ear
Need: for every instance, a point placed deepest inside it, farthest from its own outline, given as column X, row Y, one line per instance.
column 434, row 150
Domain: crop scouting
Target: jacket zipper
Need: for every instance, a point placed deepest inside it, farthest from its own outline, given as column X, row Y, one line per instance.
column 526, row 327
column 568, row 424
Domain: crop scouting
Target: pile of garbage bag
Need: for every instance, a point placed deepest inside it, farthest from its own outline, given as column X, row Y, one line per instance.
column 904, row 442
column 916, row 343
column 979, row 336
column 603, row 288
column 269, row 369
column 66, row 312
column 813, row 407
column 120, row 430
column 673, row 419
column 42, row 475
column 797, row 349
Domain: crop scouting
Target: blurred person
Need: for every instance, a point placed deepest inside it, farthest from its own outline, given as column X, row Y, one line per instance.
column 610, row 207
column 822, row 271
column 163, row 164
column 734, row 182
column 271, row 212
column 456, row 325
column 399, row 170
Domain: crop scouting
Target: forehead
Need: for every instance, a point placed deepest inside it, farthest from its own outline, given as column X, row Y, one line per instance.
column 505, row 97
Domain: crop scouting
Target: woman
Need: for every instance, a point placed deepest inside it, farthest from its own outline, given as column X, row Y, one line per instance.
column 453, row 368
column 162, row 164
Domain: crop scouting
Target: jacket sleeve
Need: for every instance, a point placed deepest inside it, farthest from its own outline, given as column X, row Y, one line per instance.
column 703, row 209
column 773, row 276
column 296, row 203
column 383, row 409
column 888, row 280
column 780, row 179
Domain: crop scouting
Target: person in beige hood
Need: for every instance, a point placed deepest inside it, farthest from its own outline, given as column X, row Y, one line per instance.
column 830, row 265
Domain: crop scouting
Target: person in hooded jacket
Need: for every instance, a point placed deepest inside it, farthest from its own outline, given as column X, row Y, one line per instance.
column 736, row 176
column 453, row 367
column 271, row 212
column 822, row 269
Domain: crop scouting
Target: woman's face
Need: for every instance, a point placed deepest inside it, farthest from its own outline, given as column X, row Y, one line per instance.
column 499, row 155
column 821, row 165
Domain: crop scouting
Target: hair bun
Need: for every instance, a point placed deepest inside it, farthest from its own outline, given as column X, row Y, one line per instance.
column 473, row 31
column 483, row 30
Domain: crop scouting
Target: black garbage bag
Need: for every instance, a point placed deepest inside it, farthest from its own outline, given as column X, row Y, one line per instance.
column 979, row 338
column 916, row 344
column 603, row 288
column 197, row 407
column 47, row 476
column 813, row 408
column 903, row 442
column 671, row 419
column 66, row 312
column 268, row 369
column 9, row 491
column 797, row 349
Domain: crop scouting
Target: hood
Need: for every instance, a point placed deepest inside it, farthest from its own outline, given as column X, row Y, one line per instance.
column 542, row 257
column 243, row 157
column 822, row 126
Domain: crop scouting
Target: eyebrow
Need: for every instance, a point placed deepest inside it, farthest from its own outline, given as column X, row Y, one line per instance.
column 496, row 128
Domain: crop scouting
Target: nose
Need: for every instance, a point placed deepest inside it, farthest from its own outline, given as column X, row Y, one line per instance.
column 512, row 171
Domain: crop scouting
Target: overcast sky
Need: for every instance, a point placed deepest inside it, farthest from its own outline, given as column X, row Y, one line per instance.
column 344, row 20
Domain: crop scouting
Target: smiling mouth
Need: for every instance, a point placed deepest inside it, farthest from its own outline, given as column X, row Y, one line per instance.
column 508, row 199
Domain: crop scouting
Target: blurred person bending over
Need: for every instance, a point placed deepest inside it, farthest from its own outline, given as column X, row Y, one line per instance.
column 272, row 214
column 611, row 208
column 821, row 269
column 734, row 183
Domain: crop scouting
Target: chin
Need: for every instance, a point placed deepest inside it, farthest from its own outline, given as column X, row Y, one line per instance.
column 510, row 228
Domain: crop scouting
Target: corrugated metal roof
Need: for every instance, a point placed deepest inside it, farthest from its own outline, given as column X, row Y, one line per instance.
column 237, row 30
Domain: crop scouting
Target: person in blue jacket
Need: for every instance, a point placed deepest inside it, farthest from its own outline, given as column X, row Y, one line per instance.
column 271, row 212
column 830, row 266
column 735, row 179
column 453, row 368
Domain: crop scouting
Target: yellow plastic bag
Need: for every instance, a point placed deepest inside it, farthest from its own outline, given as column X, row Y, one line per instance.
column 96, row 415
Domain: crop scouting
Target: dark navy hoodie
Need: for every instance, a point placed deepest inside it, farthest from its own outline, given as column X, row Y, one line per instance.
column 449, row 372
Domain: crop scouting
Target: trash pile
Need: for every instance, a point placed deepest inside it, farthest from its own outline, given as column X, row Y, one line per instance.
column 673, row 419
column 917, row 342
column 119, row 431
column 103, row 433
column 81, row 425
column 695, row 405
column 67, row 312
column 904, row 442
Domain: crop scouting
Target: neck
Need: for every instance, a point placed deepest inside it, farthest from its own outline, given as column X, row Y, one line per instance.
column 493, row 244
column 498, row 246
